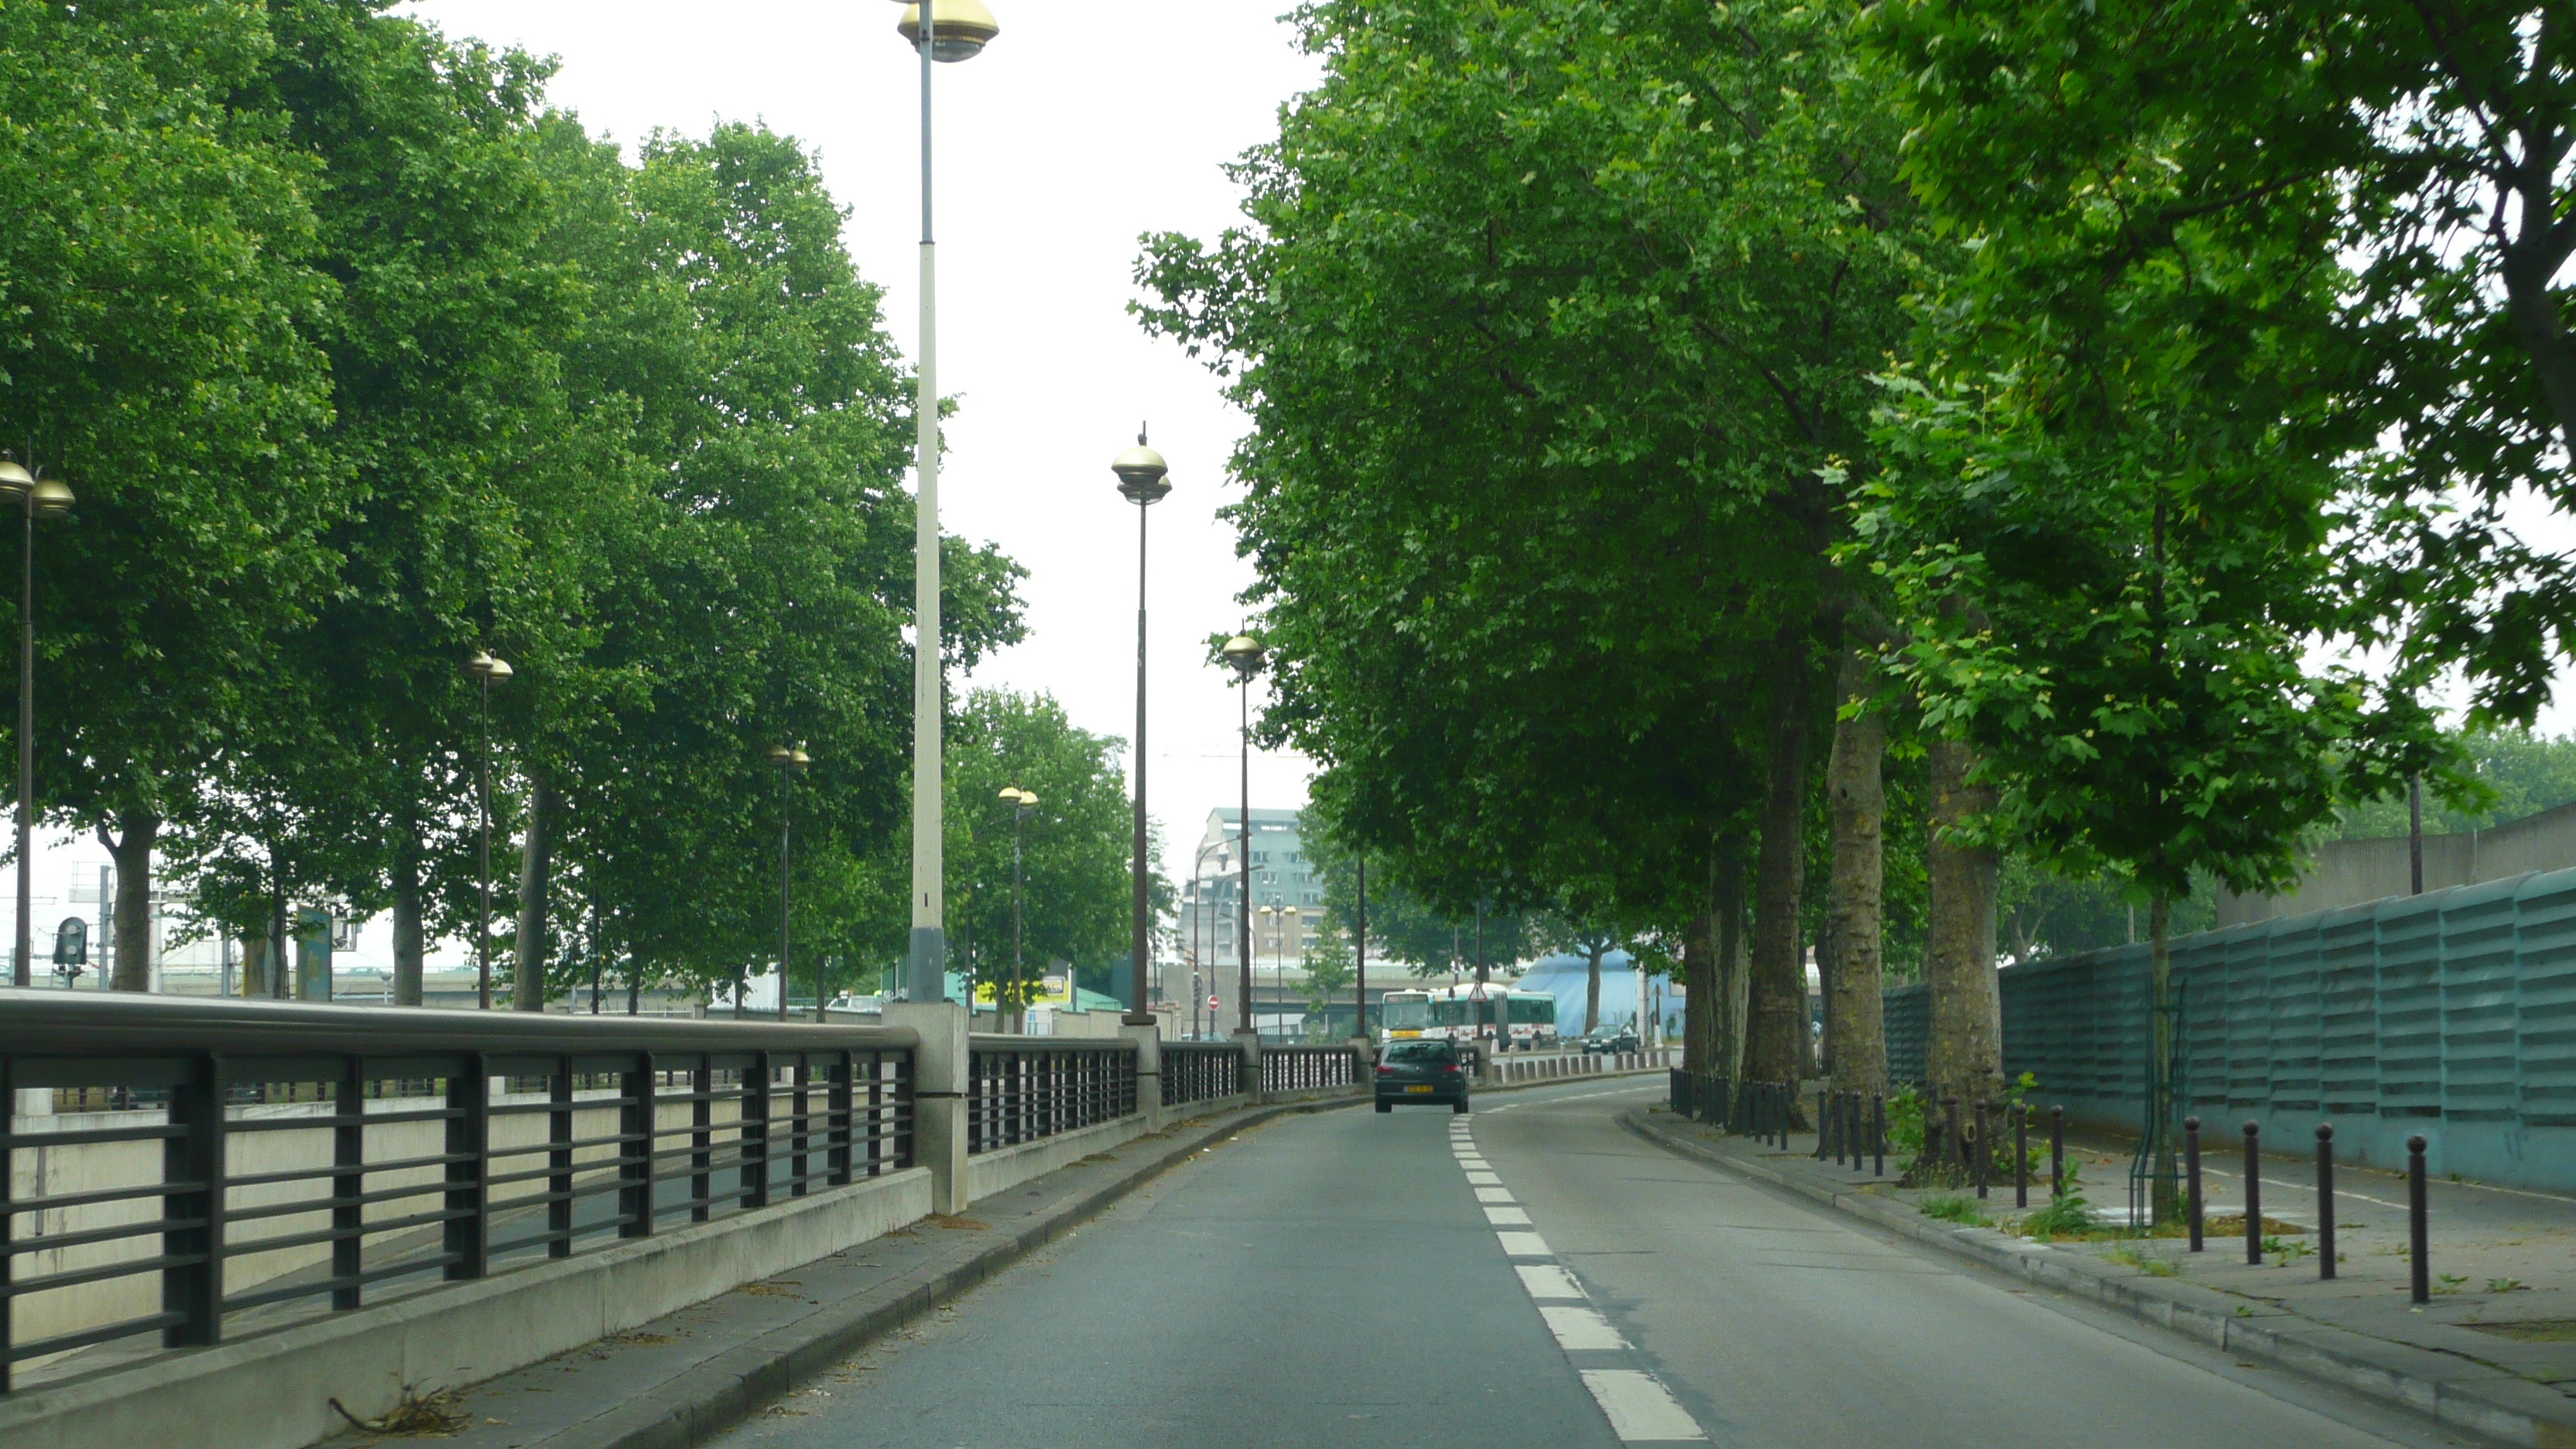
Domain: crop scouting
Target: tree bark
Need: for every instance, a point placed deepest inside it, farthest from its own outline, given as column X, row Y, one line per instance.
column 1855, row 1025
column 1776, row 1047
column 410, row 943
column 1965, row 1055
column 1594, row 950
column 536, row 861
column 1726, row 903
column 1699, row 994
column 2163, row 1205
column 138, row 831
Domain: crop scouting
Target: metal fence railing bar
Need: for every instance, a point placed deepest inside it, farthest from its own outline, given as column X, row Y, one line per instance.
column 1297, row 1068
column 245, row 1165
column 1020, row 1088
column 1201, row 1071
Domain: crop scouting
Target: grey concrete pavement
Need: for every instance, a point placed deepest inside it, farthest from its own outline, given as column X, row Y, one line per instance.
column 1352, row 1279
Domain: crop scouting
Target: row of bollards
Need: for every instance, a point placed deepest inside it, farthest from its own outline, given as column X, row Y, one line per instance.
column 2417, row 1228
column 1850, row 1126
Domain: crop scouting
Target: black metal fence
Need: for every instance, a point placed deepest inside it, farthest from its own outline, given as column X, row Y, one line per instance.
column 1201, row 1071
column 1287, row 1069
column 1020, row 1088
column 271, row 1160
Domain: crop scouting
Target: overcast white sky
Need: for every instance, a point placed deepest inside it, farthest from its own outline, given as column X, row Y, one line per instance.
column 1078, row 129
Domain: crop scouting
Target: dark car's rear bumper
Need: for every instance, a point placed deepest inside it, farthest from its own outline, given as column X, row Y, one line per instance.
column 1439, row 1093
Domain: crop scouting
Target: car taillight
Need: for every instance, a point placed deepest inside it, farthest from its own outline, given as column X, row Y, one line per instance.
column 1452, row 1067
column 1383, row 1068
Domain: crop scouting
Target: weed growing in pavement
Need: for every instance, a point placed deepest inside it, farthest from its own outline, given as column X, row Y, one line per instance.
column 2285, row 1251
column 1955, row 1210
column 2450, row 1283
column 2152, row 1267
column 2067, row 1216
column 2507, row 1285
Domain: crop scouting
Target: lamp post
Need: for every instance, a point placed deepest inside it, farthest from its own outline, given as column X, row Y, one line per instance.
column 1141, row 478
column 1246, row 654
column 1270, row 918
column 1023, row 805
column 485, row 669
column 1201, row 907
column 46, row 498
column 788, row 759
column 950, row 31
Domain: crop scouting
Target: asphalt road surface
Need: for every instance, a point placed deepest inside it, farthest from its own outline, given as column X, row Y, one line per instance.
column 1530, row 1275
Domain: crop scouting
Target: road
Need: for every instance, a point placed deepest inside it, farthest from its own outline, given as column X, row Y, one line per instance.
column 1530, row 1275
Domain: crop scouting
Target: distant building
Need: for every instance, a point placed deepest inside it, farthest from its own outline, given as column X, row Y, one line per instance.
column 1210, row 918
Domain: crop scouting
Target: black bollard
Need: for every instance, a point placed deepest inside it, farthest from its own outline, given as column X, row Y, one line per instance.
column 2415, row 1227
column 2253, row 1193
column 2191, row 1177
column 2021, row 1154
column 2057, row 1151
column 1878, row 1133
column 1985, row 1148
column 1824, row 1134
column 1951, row 1146
column 2325, row 1200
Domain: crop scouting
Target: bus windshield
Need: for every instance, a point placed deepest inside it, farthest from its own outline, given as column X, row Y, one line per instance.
column 1405, row 1015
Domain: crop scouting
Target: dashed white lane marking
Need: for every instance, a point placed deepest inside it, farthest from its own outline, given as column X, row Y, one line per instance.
column 1641, row 1410
column 1507, row 1217
column 1525, row 1245
column 1492, row 1194
column 1581, row 1330
column 1546, row 1280
column 1483, row 1179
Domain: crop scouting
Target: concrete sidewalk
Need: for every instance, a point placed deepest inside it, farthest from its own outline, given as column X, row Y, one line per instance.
column 2494, row 1352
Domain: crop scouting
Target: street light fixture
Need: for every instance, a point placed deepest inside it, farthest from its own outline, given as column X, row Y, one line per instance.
column 46, row 498
column 485, row 669
column 789, row 759
column 1141, row 478
column 1246, row 655
column 1023, row 804
column 952, row 30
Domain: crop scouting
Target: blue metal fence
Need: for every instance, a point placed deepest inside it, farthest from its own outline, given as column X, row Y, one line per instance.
column 2452, row 1014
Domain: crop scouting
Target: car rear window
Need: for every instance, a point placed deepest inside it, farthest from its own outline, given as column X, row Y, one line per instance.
column 1421, row 1051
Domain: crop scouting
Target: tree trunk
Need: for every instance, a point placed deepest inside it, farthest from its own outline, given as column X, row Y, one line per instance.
column 409, row 942
column 1726, row 903
column 137, row 832
column 1699, row 994
column 2163, row 1206
column 1964, row 1057
column 1855, row 1026
column 1592, row 986
column 536, row 861
column 1776, row 1046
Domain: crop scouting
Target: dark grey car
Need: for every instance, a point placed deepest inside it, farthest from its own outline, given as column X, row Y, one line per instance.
column 1421, row 1071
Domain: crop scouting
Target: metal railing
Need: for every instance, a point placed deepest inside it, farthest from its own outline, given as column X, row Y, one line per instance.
column 270, row 1161
column 1201, row 1071
column 1287, row 1069
column 1020, row 1088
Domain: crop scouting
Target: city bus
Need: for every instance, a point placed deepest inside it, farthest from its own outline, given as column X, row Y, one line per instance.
column 1403, row 1015
column 1525, row 1019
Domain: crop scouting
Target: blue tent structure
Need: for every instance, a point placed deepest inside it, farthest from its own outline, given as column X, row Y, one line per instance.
column 1563, row 976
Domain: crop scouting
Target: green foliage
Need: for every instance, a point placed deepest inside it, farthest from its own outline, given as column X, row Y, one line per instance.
column 2066, row 1215
column 1953, row 1209
column 2522, row 773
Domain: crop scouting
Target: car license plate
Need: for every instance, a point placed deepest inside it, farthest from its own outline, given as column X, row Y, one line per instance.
column 1418, row 1089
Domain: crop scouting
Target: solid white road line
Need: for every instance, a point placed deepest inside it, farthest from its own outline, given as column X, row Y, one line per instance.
column 1546, row 1280
column 1494, row 1194
column 1507, row 1217
column 1581, row 1330
column 1525, row 1245
column 1640, row 1409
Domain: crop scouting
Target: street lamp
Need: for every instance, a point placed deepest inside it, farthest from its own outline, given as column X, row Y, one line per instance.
column 486, row 669
column 788, row 759
column 1201, row 906
column 1140, row 473
column 46, row 498
column 1246, row 654
column 952, row 30
column 1023, row 805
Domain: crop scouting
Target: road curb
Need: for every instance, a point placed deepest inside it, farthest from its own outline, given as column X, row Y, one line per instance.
column 698, row 1405
column 2454, row 1391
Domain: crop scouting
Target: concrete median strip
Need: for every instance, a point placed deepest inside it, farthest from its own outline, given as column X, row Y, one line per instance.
column 2453, row 1390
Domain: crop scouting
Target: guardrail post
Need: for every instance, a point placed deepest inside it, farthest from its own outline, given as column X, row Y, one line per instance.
column 348, row 1182
column 2325, row 1200
column 469, row 1168
column 754, row 1132
column 193, row 1290
column 938, row 1095
column 2419, row 1246
column 635, row 1154
column 1255, row 1085
column 2191, row 1178
column 1148, row 1038
column 558, row 1161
